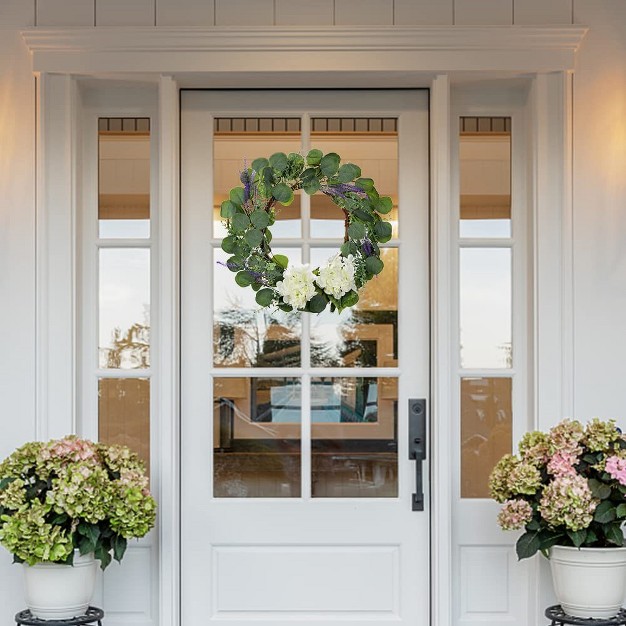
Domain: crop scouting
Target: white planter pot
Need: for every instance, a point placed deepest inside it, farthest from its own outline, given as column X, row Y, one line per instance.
column 55, row 591
column 589, row 582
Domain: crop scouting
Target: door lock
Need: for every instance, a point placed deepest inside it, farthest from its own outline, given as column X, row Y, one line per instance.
column 417, row 447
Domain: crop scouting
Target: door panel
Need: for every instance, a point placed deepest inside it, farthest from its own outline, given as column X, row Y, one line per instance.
column 296, row 476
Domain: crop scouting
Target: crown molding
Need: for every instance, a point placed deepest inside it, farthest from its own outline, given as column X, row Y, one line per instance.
column 304, row 49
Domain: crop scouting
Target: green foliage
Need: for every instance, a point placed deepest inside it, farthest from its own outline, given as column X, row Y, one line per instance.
column 565, row 487
column 269, row 187
column 72, row 494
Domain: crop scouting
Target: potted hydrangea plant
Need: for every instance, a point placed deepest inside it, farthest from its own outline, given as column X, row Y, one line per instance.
column 64, row 504
column 567, row 489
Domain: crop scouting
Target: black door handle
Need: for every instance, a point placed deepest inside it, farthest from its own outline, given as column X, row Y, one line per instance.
column 417, row 447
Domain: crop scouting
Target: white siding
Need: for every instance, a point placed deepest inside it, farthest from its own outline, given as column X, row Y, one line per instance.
column 125, row 12
column 304, row 12
column 599, row 211
column 349, row 12
column 427, row 12
column 66, row 13
column 244, row 12
column 185, row 12
column 483, row 12
column 542, row 12
column 17, row 255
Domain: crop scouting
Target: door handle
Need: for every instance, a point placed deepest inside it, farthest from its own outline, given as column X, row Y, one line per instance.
column 417, row 447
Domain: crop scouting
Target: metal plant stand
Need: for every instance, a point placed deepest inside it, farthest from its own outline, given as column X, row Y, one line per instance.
column 560, row 618
column 93, row 615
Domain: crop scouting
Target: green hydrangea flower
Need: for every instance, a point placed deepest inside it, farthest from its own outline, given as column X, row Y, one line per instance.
column 600, row 435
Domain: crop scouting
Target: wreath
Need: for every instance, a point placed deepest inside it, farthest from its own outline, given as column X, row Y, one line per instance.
column 250, row 213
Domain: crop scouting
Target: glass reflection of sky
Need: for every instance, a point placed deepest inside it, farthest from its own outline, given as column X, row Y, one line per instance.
column 485, row 307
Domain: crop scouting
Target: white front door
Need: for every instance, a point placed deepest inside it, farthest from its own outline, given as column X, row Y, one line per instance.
column 297, row 486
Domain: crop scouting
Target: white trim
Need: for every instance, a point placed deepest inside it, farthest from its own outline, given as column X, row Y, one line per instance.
column 552, row 216
column 311, row 49
column 55, row 250
column 441, row 332
column 167, row 411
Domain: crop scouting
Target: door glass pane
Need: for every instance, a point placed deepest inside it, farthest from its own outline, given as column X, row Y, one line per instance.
column 485, row 299
column 123, row 178
column 244, row 335
column 370, row 143
column 237, row 142
column 485, row 177
column 124, row 414
column 124, row 308
column 354, row 437
column 256, row 434
column 486, row 431
column 365, row 335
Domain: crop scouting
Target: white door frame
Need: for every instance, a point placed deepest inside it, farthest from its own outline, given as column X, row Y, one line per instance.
column 398, row 56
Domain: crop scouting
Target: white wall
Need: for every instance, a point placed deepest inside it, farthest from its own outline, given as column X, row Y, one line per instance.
column 600, row 211
column 17, row 255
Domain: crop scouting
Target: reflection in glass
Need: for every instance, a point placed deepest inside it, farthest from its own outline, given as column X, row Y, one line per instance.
column 485, row 302
column 229, row 150
column 354, row 439
column 256, row 434
column 124, row 178
column 124, row 308
column 372, row 144
column 244, row 335
column 124, row 414
column 486, row 431
column 485, row 179
column 363, row 336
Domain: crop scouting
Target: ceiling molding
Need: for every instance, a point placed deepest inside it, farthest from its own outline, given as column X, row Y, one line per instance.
column 304, row 49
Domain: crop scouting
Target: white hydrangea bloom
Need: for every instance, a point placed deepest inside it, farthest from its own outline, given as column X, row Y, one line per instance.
column 336, row 278
column 297, row 286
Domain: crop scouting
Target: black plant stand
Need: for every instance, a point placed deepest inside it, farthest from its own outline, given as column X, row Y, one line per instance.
column 93, row 615
column 560, row 618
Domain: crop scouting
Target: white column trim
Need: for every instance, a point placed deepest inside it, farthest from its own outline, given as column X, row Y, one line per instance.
column 552, row 235
column 441, row 404
column 168, row 399
column 56, row 257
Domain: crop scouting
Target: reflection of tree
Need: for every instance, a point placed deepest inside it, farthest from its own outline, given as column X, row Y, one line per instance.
column 129, row 348
column 250, row 338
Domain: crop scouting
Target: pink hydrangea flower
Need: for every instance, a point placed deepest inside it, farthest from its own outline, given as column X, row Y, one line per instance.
column 562, row 464
column 616, row 467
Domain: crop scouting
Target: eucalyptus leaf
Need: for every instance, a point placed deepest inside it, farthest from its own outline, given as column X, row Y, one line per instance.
column 330, row 164
column 382, row 230
column 283, row 193
column 366, row 184
column 314, row 157
column 228, row 209
column 237, row 196
column 374, row 265
column 258, row 165
column 265, row 297
column 311, row 187
column 279, row 161
column 235, row 263
column 260, row 219
column 228, row 244
column 244, row 278
column 254, row 237
column 240, row 222
column 348, row 172
column 356, row 230
column 383, row 205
